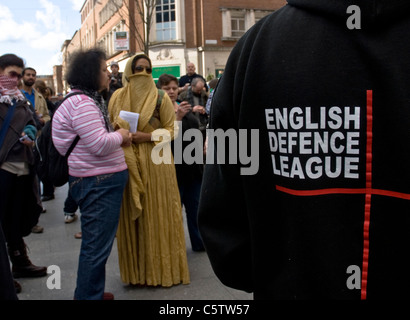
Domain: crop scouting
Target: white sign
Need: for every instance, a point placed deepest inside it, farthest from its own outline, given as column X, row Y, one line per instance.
column 121, row 41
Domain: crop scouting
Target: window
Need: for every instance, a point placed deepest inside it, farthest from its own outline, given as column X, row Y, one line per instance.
column 165, row 20
column 235, row 22
column 238, row 26
column 109, row 10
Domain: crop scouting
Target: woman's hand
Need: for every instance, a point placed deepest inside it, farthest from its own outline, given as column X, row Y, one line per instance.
column 126, row 137
column 141, row 137
column 182, row 110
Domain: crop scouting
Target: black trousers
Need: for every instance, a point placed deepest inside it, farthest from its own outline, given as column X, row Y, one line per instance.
column 16, row 194
column 7, row 290
column 48, row 188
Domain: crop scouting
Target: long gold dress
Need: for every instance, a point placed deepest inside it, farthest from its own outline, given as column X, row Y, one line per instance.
column 150, row 236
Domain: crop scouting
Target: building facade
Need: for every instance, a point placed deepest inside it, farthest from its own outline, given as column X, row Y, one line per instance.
column 199, row 31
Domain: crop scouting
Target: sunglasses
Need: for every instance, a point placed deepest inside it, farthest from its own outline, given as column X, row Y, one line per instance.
column 14, row 74
column 141, row 68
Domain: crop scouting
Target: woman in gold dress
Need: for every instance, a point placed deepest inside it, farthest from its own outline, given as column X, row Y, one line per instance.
column 150, row 236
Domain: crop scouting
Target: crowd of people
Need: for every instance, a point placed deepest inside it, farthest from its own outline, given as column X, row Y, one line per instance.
column 117, row 188
column 326, row 214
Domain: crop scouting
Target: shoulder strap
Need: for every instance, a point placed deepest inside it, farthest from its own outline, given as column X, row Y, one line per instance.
column 77, row 138
column 161, row 94
column 6, row 122
column 155, row 120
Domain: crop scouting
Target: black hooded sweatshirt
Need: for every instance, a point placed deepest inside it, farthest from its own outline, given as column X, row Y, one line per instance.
column 327, row 214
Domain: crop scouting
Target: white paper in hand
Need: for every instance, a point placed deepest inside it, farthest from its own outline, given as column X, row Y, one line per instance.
column 131, row 118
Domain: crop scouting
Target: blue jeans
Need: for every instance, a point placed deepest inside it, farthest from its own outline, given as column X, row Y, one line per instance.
column 99, row 199
column 190, row 192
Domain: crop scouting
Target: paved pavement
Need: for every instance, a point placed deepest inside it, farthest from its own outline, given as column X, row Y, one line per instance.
column 57, row 246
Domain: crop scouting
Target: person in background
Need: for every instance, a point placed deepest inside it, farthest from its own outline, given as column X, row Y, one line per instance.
column 116, row 79
column 70, row 209
column 19, row 196
column 150, row 238
column 40, row 110
column 41, row 87
column 197, row 98
column 186, row 80
column 51, row 106
column 37, row 101
column 189, row 176
column 97, row 169
column 60, row 97
column 212, row 85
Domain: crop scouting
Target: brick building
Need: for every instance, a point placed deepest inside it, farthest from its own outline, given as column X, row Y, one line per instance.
column 216, row 27
column 199, row 31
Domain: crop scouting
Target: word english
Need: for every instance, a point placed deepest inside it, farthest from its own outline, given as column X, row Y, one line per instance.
column 309, row 143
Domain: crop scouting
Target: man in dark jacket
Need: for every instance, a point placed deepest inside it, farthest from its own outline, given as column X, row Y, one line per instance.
column 116, row 79
column 327, row 215
column 19, row 200
column 185, row 80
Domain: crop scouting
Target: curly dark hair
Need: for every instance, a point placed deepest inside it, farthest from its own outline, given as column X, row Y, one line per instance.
column 10, row 59
column 84, row 68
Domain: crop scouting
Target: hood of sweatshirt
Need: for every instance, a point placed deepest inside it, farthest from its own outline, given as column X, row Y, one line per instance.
column 371, row 11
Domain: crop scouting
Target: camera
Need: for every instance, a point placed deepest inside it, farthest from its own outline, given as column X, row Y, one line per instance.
column 113, row 78
column 25, row 137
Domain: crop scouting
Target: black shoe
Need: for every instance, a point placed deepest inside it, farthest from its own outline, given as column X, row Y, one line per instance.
column 47, row 198
column 17, row 286
column 30, row 271
column 21, row 264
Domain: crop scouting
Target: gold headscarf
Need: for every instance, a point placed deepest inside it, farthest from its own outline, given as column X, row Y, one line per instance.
column 140, row 95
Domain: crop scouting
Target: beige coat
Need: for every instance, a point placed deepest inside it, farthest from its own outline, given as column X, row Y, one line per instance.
column 41, row 106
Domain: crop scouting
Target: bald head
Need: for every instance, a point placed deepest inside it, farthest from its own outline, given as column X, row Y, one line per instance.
column 190, row 69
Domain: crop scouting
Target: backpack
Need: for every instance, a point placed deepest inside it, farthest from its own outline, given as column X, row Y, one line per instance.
column 50, row 165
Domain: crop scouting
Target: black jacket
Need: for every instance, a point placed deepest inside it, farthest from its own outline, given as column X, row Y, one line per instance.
column 327, row 215
column 188, row 79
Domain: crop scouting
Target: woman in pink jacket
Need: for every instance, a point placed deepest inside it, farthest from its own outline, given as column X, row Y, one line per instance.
column 98, row 172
